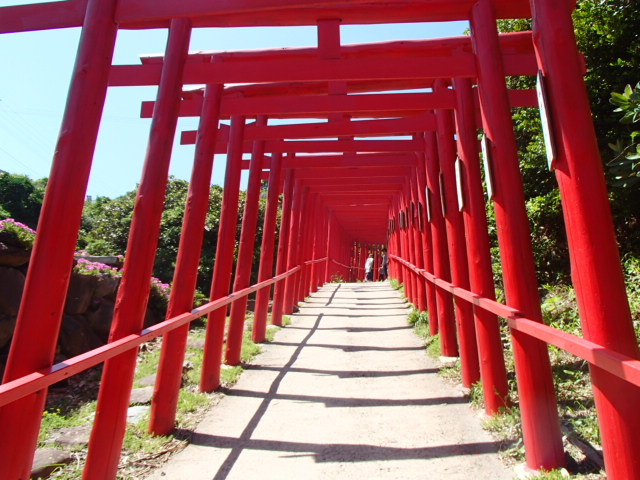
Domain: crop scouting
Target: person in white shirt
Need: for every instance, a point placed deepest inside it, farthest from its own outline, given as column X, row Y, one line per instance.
column 368, row 269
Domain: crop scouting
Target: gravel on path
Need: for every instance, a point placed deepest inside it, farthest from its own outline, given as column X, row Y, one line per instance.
column 345, row 392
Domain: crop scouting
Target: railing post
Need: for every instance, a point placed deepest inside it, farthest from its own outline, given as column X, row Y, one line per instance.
column 595, row 262
column 244, row 263
column 444, row 300
column 211, row 363
column 492, row 367
column 109, row 424
column 427, row 245
column 540, row 425
column 283, row 242
column 52, row 256
column 266, row 251
column 167, row 387
column 456, row 242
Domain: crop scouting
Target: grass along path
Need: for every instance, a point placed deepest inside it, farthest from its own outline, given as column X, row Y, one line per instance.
column 73, row 404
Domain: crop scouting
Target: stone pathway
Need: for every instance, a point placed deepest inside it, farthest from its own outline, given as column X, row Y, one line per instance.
column 345, row 392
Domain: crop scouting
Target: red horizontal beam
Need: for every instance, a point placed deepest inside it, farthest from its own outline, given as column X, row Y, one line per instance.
column 245, row 13
column 409, row 104
column 340, row 161
column 321, row 146
column 299, row 71
column 396, row 126
column 150, row 14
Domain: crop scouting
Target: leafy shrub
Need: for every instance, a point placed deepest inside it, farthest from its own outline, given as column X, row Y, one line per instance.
column 17, row 234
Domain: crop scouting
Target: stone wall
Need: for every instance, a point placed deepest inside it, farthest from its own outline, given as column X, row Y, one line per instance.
column 88, row 308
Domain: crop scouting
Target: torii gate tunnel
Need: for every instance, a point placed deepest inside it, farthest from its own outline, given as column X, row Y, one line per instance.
column 416, row 189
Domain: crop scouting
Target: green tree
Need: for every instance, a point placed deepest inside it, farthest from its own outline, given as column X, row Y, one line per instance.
column 21, row 198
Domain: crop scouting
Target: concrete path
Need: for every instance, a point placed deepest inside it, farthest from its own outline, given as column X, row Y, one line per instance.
column 347, row 392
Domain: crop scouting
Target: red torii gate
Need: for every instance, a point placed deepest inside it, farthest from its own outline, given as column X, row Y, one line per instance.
column 429, row 235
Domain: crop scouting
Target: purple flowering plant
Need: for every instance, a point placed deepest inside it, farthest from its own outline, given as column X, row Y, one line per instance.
column 16, row 233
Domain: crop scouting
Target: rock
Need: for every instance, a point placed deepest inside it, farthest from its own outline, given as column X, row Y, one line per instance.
column 46, row 460
column 100, row 319
column 11, row 256
column 80, row 293
column 149, row 380
column 106, row 286
column 196, row 343
column 141, row 395
column 12, row 282
column 7, row 325
column 76, row 336
column 70, row 436
column 137, row 413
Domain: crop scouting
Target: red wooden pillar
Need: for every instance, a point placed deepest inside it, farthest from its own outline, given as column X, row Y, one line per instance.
column 540, row 426
column 397, row 248
column 293, row 257
column 210, row 376
column 427, row 245
column 418, row 249
column 444, row 302
column 409, row 278
column 595, row 263
column 266, row 251
column 245, row 252
column 319, row 241
column 52, row 256
column 456, row 243
column 492, row 367
column 330, row 240
column 303, row 248
column 167, row 387
column 283, row 242
column 117, row 378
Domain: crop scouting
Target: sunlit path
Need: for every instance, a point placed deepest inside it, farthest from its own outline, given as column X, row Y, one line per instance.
column 346, row 391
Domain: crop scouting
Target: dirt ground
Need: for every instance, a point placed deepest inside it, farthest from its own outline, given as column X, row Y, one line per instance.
column 345, row 392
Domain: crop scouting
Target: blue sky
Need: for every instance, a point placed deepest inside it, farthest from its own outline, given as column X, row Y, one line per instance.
column 35, row 79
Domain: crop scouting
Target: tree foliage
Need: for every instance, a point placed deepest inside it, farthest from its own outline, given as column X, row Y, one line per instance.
column 21, row 198
column 106, row 223
column 607, row 35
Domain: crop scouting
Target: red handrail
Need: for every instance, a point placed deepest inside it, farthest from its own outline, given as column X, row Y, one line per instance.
column 36, row 381
column 613, row 362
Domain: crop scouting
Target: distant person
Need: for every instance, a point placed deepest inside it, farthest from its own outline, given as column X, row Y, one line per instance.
column 384, row 267
column 368, row 269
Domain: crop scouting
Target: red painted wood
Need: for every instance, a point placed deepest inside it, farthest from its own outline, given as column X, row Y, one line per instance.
column 109, row 424
column 427, row 244
column 245, row 254
column 267, row 248
column 418, row 248
column 366, row 108
column 43, row 16
column 295, row 246
column 444, row 305
column 456, row 242
column 540, row 425
column 283, row 241
column 169, row 378
column 322, row 146
column 48, row 276
column 491, row 357
column 210, row 377
column 595, row 263
column 147, row 14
